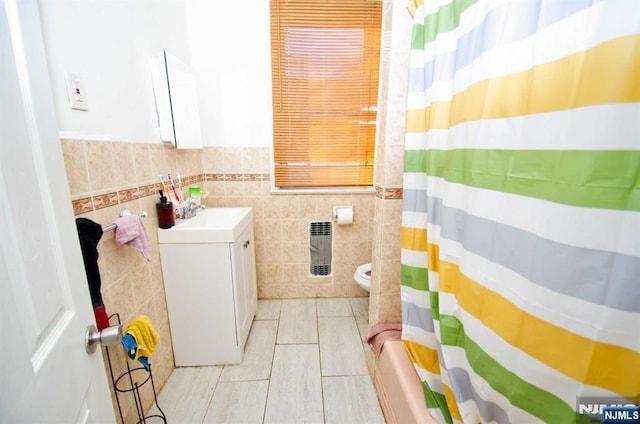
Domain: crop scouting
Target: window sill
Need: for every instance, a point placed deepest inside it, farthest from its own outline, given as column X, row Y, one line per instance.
column 324, row 190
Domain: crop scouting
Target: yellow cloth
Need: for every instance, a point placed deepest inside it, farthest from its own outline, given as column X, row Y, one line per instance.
column 146, row 336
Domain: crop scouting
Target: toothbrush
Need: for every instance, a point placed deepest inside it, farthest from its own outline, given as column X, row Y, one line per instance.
column 179, row 184
column 164, row 186
column 173, row 187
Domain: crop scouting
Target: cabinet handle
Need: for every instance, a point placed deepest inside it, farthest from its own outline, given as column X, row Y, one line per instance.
column 246, row 243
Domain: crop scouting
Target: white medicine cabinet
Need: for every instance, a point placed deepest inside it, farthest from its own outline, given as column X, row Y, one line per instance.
column 176, row 97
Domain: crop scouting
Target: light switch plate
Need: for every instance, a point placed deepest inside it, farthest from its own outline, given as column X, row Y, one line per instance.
column 75, row 91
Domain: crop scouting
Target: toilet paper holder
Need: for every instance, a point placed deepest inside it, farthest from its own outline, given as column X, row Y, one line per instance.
column 336, row 211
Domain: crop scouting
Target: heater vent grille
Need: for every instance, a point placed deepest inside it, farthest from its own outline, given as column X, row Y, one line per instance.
column 320, row 240
column 320, row 228
column 321, row 270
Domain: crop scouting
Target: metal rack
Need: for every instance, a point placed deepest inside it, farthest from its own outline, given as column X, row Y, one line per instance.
column 130, row 381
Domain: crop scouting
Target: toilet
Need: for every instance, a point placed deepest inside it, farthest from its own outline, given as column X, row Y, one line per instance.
column 363, row 276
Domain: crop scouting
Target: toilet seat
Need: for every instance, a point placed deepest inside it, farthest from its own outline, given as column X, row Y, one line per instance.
column 362, row 276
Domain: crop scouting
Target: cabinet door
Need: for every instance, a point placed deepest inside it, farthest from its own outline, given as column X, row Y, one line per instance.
column 250, row 272
column 245, row 283
column 199, row 291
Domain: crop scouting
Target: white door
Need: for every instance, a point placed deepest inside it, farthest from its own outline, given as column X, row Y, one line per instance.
column 45, row 374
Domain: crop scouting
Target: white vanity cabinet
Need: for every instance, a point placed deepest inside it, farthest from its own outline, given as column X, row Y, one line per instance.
column 208, row 265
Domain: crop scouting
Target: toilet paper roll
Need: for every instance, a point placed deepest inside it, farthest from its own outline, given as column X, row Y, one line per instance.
column 344, row 215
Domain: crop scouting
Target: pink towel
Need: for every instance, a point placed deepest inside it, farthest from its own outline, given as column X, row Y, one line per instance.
column 380, row 333
column 130, row 230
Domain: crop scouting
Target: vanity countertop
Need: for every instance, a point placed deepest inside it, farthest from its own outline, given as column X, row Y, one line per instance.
column 211, row 225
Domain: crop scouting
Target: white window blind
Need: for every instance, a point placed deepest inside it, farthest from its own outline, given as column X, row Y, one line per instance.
column 325, row 65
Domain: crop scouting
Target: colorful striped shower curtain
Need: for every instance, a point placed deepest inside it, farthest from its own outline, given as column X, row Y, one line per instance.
column 521, row 210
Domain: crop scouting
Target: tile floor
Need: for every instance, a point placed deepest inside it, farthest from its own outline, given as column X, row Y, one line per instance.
column 305, row 362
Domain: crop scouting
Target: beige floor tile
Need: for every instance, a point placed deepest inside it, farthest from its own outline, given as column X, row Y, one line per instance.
column 341, row 350
column 186, row 394
column 370, row 358
column 351, row 399
column 268, row 309
column 298, row 322
column 258, row 354
column 295, row 390
column 360, row 307
column 334, row 308
column 238, row 402
column 282, row 383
